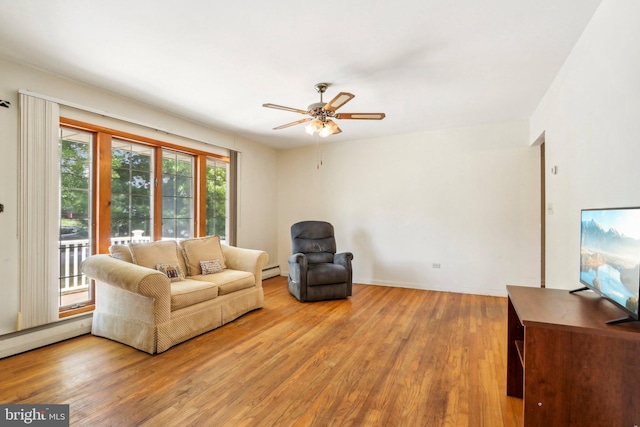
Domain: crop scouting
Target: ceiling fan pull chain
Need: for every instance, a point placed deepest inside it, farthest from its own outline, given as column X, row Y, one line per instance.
column 318, row 153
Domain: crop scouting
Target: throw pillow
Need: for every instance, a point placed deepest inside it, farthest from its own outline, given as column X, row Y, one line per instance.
column 202, row 249
column 172, row 271
column 210, row 266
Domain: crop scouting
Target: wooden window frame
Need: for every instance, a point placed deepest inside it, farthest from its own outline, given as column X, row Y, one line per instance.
column 101, row 187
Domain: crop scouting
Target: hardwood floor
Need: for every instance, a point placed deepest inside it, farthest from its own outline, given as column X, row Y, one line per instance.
column 384, row 357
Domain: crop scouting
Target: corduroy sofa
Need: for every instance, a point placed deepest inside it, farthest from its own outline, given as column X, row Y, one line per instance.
column 152, row 296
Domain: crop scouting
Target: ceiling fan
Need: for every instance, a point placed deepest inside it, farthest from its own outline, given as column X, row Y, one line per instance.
column 321, row 113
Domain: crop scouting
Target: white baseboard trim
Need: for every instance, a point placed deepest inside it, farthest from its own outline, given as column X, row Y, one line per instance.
column 29, row 339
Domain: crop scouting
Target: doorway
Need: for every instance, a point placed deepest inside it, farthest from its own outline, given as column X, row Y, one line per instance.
column 543, row 211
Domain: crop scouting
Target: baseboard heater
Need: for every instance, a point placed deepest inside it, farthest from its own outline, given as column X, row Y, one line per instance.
column 269, row 272
column 29, row 339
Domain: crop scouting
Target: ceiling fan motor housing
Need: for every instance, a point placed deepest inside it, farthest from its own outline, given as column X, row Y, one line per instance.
column 317, row 109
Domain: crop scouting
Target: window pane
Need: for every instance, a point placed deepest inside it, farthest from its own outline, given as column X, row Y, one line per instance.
column 177, row 195
column 74, row 242
column 120, row 231
column 183, row 227
column 184, row 165
column 141, row 160
column 140, row 229
column 119, row 206
column 140, row 208
column 140, row 182
column 132, row 192
column 183, row 207
column 120, row 179
column 168, row 185
column 183, row 186
column 168, row 164
column 168, row 207
column 216, row 193
column 169, row 229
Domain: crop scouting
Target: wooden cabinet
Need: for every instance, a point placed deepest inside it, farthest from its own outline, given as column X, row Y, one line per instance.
column 570, row 367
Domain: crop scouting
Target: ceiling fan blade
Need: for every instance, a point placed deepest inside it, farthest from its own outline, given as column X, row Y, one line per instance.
column 280, row 107
column 297, row 122
column 338, row 101
column 360, row 116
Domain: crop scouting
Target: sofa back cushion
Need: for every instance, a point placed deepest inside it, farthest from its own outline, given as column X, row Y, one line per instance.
column 151, row 254
column 121, row 252
column 202, row 249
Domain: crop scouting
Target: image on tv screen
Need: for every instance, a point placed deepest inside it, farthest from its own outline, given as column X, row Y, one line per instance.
column 610, row 254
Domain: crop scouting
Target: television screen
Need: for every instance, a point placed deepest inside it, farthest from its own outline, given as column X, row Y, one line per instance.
column 610, row 255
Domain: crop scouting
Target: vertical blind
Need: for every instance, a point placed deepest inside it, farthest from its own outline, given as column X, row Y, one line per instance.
column 232, row 182
column 38, row 211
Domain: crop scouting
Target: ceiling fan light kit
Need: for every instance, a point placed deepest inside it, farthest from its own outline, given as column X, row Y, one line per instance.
column 321, row 113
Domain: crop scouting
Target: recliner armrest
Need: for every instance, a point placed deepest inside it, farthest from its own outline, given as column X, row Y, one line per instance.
column 298, row 268
column 344, row 259
column 298, row 258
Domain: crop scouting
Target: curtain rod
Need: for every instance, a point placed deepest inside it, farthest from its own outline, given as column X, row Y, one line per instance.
column 117, row 117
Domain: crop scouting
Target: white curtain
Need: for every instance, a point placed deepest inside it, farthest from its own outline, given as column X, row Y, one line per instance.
column 38, row 211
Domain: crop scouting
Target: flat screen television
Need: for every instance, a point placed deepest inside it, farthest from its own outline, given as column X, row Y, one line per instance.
column 610, row 257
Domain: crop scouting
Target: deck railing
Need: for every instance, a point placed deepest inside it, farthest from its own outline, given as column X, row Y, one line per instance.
column 73, row 252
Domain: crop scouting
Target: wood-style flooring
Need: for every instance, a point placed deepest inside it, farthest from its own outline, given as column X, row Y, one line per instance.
column 384, row 357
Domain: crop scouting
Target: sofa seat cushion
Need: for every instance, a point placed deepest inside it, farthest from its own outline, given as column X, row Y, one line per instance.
column 228, row 281
column 189, row 292
column 326, row 274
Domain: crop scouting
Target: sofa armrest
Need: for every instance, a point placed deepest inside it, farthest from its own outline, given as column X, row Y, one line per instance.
column 132, row 278
column 122, row 274
column 249, row 260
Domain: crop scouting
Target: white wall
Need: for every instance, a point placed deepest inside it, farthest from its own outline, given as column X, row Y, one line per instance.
column 467, row 199
column 591, row 119
column 257, row 177
column 257, row 192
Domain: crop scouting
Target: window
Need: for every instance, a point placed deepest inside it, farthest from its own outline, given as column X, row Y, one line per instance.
column 117, row 188
column 74, row 244
column 216, row 196
column 177, row 195
column 132, row 192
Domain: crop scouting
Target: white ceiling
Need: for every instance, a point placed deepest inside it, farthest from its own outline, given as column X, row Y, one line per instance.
column 427, row 64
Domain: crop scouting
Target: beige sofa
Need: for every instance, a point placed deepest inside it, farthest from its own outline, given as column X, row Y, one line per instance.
column 152, row 296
